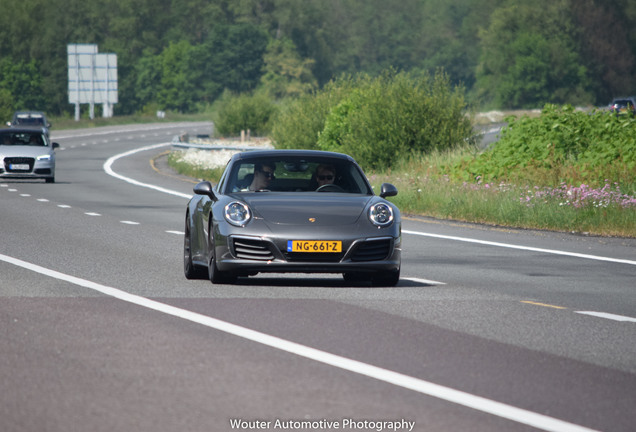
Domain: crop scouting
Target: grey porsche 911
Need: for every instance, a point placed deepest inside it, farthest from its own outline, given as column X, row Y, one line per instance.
column 297, row 211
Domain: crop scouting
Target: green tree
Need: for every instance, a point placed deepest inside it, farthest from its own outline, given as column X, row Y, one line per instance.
column 6, row 105
column 378, row 120
column 530, row 56
column 177, row 90
column 607, row 42
column 244, row 113
column 239, row 56
column 23, row 82
column 286, row 73
column 148, row 76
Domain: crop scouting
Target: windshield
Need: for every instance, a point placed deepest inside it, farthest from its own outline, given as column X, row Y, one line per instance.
column 296, row 174
column 28, row 121
column 36, row 139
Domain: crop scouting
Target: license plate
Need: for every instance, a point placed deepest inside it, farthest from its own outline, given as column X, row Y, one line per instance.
column 19, row 167
column 315, row 246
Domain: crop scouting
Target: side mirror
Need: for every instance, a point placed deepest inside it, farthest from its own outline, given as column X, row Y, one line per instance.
column 205, row 188
column 56, row 145
column 388, row 190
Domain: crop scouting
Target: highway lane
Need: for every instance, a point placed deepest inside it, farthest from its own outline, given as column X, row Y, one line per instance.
column 505, row 324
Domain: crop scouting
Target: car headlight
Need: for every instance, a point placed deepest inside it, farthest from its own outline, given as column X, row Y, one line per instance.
column 44, row 157
column 237, row 213
column 381, row 214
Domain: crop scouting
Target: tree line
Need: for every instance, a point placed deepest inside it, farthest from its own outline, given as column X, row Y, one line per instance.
column 182, row 55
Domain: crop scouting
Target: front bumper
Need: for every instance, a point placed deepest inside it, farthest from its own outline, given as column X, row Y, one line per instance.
column 26, row 167
column 262, row 254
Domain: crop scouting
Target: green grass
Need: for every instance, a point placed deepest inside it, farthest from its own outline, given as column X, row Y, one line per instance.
column 424, row 189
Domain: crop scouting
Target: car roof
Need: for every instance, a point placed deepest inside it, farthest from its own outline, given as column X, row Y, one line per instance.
column 26, row 129
column 28, row 114
column 255, row 154
column 624, row 99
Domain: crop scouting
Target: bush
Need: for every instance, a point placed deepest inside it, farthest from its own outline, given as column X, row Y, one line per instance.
column 243, row 113
column 299, row 123
column 561, row 146
column 378, row 120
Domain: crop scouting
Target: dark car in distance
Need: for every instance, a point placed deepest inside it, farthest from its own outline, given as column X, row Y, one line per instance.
column 292, row 211
column 28, row 119
column 623, row 105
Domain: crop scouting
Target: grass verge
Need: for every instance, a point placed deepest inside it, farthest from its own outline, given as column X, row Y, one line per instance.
column 425, row 190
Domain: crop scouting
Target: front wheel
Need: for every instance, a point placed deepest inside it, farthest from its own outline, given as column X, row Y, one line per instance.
column 214, row 274
column 190, row 270
column 386, row 279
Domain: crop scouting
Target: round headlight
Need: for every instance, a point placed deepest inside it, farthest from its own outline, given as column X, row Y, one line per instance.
column 237, row 213
column 381, row 214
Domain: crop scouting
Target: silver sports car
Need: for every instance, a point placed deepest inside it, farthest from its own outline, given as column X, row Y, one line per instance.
column 27, row 153
column 294, row 211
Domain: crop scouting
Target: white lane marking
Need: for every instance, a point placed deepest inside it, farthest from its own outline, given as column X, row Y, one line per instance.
column 25, row 195
column 607, row 316
column 92, row 214
column 12, row 190
column 526, row 248
column 498, row 409
column 64, row 206
column 129, row 222
column 175, row 232
column 108, row 169
column 424, row 281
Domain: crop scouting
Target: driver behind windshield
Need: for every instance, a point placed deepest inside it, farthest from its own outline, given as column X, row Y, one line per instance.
column 263, row 176
column 325, row 174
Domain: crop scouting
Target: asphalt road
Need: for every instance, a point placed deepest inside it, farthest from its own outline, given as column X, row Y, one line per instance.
column 489, row 329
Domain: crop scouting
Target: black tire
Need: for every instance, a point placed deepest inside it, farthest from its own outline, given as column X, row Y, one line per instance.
column 386, row 279
column 191, row 270
column 355, row 278
column 214, row 274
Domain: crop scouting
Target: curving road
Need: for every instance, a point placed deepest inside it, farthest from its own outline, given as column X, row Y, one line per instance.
column 490, row 329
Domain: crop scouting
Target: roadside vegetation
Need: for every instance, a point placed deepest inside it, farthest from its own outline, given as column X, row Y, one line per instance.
column 563, row 170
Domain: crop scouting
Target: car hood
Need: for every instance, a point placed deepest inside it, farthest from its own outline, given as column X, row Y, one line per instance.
column 24, row 151
column 317, row 209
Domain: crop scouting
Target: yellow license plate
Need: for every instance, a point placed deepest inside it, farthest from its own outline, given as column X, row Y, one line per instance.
column 315, row 246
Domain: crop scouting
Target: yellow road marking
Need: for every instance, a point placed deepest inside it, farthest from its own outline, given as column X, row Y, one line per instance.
column 542, row 304
column 157, row 170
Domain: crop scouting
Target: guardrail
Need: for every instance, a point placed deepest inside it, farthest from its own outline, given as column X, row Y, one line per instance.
column 183, row 142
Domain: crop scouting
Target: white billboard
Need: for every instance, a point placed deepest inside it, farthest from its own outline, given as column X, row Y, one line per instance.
column 92, row 77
